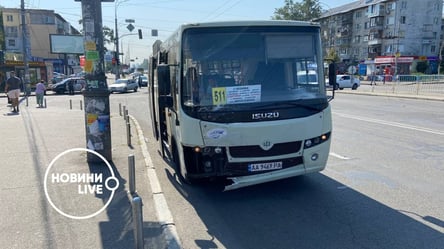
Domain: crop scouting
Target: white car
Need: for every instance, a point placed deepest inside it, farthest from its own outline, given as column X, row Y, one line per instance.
column 123, row 85
column 347, row 81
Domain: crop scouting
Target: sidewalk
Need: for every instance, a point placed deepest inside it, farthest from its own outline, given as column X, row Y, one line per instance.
column 30, row 142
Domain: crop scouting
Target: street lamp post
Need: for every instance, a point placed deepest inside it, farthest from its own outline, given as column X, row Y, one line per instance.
column 26, row 54
column 117, row 44
column 116, row 4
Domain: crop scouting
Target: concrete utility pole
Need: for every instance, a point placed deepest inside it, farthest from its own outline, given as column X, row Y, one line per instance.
column 117, row 56
column 96, row 94
column 26, row 49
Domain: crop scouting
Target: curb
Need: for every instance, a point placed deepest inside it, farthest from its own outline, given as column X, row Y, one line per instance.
column 160, row 204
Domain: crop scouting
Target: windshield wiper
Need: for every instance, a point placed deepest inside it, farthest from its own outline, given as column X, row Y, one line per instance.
column 313, row 107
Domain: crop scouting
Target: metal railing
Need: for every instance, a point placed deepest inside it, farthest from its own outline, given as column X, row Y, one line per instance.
column 409, row 84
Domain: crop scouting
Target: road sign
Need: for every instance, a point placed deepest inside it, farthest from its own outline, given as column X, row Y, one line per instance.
column 92, row 55
column 130, row 27
column 351, row 70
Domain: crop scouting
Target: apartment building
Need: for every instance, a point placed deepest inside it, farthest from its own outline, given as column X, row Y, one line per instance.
column 39, row 25
column 384, row 36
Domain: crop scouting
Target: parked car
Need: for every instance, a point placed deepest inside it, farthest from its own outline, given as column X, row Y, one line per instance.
column 345, row 81
column 62, row 86
column 123, row 85
column 142, row 80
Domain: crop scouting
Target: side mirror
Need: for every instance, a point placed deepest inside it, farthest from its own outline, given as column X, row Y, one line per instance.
column 332, row 77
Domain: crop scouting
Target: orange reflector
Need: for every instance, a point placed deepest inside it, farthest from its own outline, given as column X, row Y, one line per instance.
column 197, row 149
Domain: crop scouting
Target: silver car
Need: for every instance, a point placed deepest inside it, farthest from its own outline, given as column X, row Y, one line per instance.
column 123, row 85
column 347, row 81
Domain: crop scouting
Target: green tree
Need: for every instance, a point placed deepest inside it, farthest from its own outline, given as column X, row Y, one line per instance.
column 306, row 10
column 2, row 33
column 108, row 35
column 332, row 55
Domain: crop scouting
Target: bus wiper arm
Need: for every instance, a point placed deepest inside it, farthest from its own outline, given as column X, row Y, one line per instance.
column 291, row 104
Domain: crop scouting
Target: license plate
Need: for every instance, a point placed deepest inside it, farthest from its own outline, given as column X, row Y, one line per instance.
column 264, row 166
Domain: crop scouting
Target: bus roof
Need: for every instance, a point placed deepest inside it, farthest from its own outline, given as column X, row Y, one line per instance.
column 250, row 23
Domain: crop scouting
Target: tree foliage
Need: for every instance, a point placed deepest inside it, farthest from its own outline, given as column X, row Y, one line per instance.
column 332, row 55
column 306, row 10
column 2, row 33
column 108, row 35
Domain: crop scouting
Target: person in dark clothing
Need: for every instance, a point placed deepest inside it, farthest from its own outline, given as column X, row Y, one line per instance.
column 12, row 89
column 71, row 87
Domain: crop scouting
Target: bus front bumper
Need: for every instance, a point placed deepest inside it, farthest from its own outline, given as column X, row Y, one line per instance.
column 244, row 181
column 309, row 166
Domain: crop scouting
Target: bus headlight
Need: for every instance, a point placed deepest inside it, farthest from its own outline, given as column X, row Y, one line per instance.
column 316, row 140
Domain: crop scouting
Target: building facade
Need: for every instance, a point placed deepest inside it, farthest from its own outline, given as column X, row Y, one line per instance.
column 39, row 25
column 385, row 36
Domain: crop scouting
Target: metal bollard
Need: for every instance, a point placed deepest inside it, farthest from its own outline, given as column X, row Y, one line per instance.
column 124, row 112
column 126, row 116
column 136, row 204
column 45, row 102
column 26, row 100
column 132, row 174
column 128, row 133
column 120, row 109
column 70, row 104
column 81, row 105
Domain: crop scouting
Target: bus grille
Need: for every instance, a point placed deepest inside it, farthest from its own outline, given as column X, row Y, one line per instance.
column 257, row 151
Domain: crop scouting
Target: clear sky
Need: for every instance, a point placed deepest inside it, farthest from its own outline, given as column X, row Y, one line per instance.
column 163, row 15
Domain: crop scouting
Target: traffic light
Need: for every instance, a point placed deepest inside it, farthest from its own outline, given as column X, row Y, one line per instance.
column 140, row 34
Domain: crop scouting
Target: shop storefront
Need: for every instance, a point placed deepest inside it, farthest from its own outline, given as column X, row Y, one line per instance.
column 37, row 71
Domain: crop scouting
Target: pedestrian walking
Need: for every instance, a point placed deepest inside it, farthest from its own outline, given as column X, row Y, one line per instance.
column 71, row 87
column 12, row 89
column 39, row 93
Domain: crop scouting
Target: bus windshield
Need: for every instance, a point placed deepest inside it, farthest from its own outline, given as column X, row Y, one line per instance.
column 243, row 67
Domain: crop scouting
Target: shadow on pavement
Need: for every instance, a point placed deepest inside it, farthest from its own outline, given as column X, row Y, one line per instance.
column 118, row 231
column 312, row 211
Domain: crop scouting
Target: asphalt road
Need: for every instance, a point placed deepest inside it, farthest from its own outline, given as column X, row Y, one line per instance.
column 382, row 187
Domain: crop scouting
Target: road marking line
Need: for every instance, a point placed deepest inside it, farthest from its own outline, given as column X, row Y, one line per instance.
column 394, row 124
